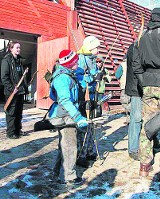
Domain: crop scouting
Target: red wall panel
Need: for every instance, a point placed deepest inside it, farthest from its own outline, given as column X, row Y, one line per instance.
column 38, row 17
column 48, row 52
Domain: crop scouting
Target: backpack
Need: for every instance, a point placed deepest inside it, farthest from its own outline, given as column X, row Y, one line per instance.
column 48, row 76
column 119, row 72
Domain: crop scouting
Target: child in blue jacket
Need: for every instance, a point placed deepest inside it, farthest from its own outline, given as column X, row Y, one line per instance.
column 64, row 112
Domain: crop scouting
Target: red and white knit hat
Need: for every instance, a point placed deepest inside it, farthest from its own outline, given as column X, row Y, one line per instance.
column 68, row 58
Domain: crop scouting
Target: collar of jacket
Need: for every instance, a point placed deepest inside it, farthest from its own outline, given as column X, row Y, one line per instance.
column 61, row 69
column 83, row 50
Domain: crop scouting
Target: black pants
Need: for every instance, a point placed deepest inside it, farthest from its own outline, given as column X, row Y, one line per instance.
column 14, row 115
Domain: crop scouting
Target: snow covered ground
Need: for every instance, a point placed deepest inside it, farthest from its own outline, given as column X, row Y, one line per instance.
column 26, row 165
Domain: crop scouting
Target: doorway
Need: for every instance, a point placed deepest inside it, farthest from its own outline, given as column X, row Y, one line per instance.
column 28, row 52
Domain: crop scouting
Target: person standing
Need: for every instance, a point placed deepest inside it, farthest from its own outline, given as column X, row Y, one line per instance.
column 132, row 89
column 102, row 78
column 86, row 76
column 105, row 77
column 64, row 112
column 124, row 98
column 146, row 66
column 11, row 72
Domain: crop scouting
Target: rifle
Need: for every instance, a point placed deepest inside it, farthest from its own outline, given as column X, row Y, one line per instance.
column 34, row 74
column 15, row 90
column 111, row 48
column 141, row 29
column 105, row 98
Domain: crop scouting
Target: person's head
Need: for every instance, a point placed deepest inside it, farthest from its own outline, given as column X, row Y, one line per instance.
column 14, row 47
column 155, row 14
column 91, row 43
column 155, row 17
column 68, row 59
column 99, row 61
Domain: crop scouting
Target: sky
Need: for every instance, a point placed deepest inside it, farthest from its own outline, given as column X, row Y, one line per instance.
column 148, row 3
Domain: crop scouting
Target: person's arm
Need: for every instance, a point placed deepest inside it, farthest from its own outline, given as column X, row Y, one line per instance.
column 91, row 70
column 62, row 87
column 107, row 76
column 5, row 76
column 137, row 66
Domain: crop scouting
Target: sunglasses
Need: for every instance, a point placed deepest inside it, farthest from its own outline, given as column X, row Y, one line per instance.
column 98, row 62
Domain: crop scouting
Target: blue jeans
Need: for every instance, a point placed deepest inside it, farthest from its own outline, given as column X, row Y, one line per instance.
column 135, row 124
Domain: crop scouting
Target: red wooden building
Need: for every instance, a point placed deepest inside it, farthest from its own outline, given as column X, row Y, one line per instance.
column 45, row 27
column 41, row 26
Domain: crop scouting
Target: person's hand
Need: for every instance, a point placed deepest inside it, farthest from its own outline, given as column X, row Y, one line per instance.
column 82, row 122
column 111, row 73
column 15, row 89
column 140, row 81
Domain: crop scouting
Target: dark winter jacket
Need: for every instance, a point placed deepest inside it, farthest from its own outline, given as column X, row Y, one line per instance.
column 9, row 75
column 146, row 57
column 131, row 88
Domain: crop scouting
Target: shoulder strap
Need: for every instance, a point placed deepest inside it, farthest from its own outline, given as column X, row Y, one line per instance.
column 47, row 112
column 88, row 69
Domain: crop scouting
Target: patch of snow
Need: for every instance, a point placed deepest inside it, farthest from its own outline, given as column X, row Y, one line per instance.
column 13, row 190
column 26, row 180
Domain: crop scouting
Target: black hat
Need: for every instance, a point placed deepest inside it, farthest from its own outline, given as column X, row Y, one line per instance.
column 156, row 11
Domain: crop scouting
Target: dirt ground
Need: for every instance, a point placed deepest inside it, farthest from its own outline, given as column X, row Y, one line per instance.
column 26, row 164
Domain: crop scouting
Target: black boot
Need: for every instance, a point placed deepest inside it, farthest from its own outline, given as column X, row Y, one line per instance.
column 82, row 162
column 92, row 157
column 156, row 142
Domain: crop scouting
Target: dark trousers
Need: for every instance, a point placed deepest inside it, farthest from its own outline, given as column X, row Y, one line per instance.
column 85, row 143
column 14, row 115
column 85, row 140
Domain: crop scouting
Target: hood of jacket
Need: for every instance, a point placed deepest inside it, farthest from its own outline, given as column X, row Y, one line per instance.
column 155, row 19
column 60, row 70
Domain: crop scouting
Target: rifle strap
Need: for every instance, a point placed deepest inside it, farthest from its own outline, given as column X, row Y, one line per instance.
column 47, row 112
column 88, row 69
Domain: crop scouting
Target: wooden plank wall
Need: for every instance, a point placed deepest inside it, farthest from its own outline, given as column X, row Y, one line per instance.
column 33, row 16
column 48, row 52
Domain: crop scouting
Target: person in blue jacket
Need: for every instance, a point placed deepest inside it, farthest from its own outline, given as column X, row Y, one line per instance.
column 87, row 67
column 64, row 112
column 86, row 75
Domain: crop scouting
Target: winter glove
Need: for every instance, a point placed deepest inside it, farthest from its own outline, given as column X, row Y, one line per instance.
column 15, row 90
column 81, row 122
